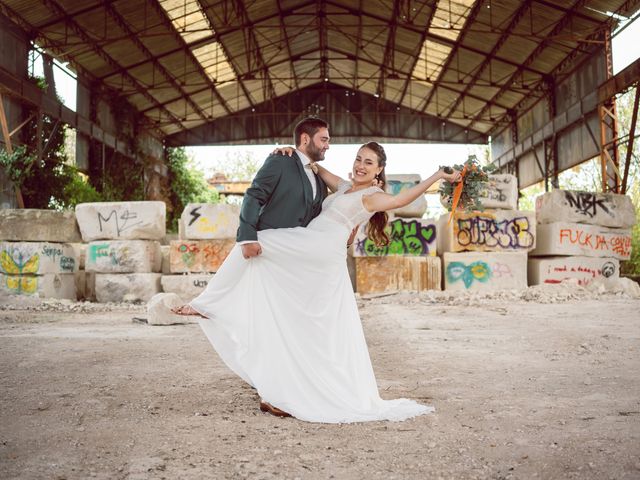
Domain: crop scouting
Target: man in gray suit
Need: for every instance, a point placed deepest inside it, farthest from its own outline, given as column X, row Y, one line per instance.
column 285, row 192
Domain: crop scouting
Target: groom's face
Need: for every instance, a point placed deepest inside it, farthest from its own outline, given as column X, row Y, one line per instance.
column 318, row 145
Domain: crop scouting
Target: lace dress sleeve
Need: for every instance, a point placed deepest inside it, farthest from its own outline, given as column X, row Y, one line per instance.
column 343, row 185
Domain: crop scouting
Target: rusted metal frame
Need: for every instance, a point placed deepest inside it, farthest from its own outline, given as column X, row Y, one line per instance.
column 52, row 4
column 283, row 29
column 416, row 55
column 559, row 26
column 632, row 137
column 122, row 23
column 321, row 19
column 9, row 147
column 69, row 16
column 17, row 129
column 358, row 42
column 515, row 19
column 452, row 54
column 438, row 38
column 608, row 111
column 388, row 58
column 565, row 10
column 251, row 40
column 187, row 49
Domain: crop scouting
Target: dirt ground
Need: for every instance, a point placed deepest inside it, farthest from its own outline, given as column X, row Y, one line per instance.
column 522, row 390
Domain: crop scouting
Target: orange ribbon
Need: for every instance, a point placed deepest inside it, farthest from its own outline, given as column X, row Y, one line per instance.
column 457, row 193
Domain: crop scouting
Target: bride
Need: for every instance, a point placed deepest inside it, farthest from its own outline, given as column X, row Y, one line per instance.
column 287, row 322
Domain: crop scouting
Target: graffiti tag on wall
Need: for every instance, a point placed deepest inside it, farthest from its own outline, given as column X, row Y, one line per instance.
column 619, row 244
column 21, row 272
column 586, row 203
column 478, row 271
column 406, row 237
column 122, row 223
column 486, row 231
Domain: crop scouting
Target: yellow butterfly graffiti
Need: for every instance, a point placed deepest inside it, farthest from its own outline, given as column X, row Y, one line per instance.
column 20, row 278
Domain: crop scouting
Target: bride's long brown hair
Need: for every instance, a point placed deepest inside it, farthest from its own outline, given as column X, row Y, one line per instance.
column 378, row 222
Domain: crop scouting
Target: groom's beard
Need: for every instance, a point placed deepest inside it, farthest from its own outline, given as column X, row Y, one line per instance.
column 314, row 153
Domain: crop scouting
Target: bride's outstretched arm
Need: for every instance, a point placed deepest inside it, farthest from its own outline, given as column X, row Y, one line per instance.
column 380, row 202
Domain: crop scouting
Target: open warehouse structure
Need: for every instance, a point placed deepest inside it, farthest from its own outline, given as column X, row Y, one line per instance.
column 533, row 76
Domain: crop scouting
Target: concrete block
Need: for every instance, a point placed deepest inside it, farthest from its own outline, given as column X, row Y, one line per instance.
column 124, row 256
column 604, row 209
column 49, row 285
column 32, row 225
column 187, row 287
column 397, row 183
column 383, row 274
column 485, row 271
column 584, row 270
column 562, row 238
column 408, row 236
column 37, row 258
column 487, row 231
column 159, row 310
column 501, row 193
column 130, row 287
column 198, row 255
column 121, row 220
column 205, row 221
column 166, row 265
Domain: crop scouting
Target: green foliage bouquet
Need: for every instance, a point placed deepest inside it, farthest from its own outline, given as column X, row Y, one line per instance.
column 466, row 194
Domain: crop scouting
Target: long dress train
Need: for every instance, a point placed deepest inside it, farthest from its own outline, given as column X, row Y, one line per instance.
column 288, row 324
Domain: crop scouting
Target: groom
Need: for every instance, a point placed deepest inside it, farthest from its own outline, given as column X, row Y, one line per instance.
column 285, row 192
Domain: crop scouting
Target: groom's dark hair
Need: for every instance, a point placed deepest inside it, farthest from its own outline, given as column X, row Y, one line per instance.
column 310, row 126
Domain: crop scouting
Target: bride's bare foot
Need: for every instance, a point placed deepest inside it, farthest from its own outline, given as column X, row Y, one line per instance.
column 186, row 310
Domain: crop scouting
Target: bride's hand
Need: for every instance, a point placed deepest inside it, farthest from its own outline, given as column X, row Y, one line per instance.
column 288, row 151
column 453, row 177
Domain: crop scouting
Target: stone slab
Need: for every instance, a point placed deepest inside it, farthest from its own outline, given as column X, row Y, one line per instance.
column 501, row 193
column 485, row 271
column 582, row 270
column 187, row 287
column 487, row 231
column 159, row 310
column 126, row 287
column 563, row 238
column 604, row 209
column 399, row 182
column 124, row 256
column 408, row 237
column 166, row 265
column 37, row 258
column 49, row 285
column 33, row 225
column 206, row 221
column 122, row 220
column 198, row 256
column 384, row 274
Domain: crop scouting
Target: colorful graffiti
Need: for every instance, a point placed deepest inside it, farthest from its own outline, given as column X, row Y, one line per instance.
column 21, row 272
column 474, row 272
column 618, row 244
column 406, row 237
column 486, row 231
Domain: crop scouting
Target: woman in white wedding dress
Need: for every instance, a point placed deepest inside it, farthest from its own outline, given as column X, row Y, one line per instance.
column 287, row 321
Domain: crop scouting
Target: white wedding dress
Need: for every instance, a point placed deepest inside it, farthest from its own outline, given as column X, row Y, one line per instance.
column 288, row 324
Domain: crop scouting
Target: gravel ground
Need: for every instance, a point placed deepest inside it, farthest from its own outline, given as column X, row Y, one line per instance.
column 539, row 383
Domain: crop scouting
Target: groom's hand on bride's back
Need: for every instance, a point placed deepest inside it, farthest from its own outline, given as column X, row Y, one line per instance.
column 251, row 249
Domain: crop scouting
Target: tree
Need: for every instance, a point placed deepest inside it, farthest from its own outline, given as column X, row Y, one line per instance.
column 236, row 166
column 187, row 185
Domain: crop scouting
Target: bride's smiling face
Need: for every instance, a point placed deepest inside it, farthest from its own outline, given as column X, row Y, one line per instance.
column 365, row 166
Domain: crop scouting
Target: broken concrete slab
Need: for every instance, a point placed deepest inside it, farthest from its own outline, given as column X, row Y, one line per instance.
column 122, row 220
column 34, row 225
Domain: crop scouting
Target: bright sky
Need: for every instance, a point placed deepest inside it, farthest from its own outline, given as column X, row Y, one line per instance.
column 423, row 159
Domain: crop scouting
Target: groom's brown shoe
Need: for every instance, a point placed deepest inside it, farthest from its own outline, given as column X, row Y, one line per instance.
column 268, row 408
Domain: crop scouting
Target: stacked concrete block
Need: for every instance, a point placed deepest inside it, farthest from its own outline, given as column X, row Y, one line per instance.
column 501, row 192
column 36, row 256
column 207, row 236
column 582, row 236
column 408, row 262
column 485, row 271
column 397, row 183
column 487, row 250
column 123, row 256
